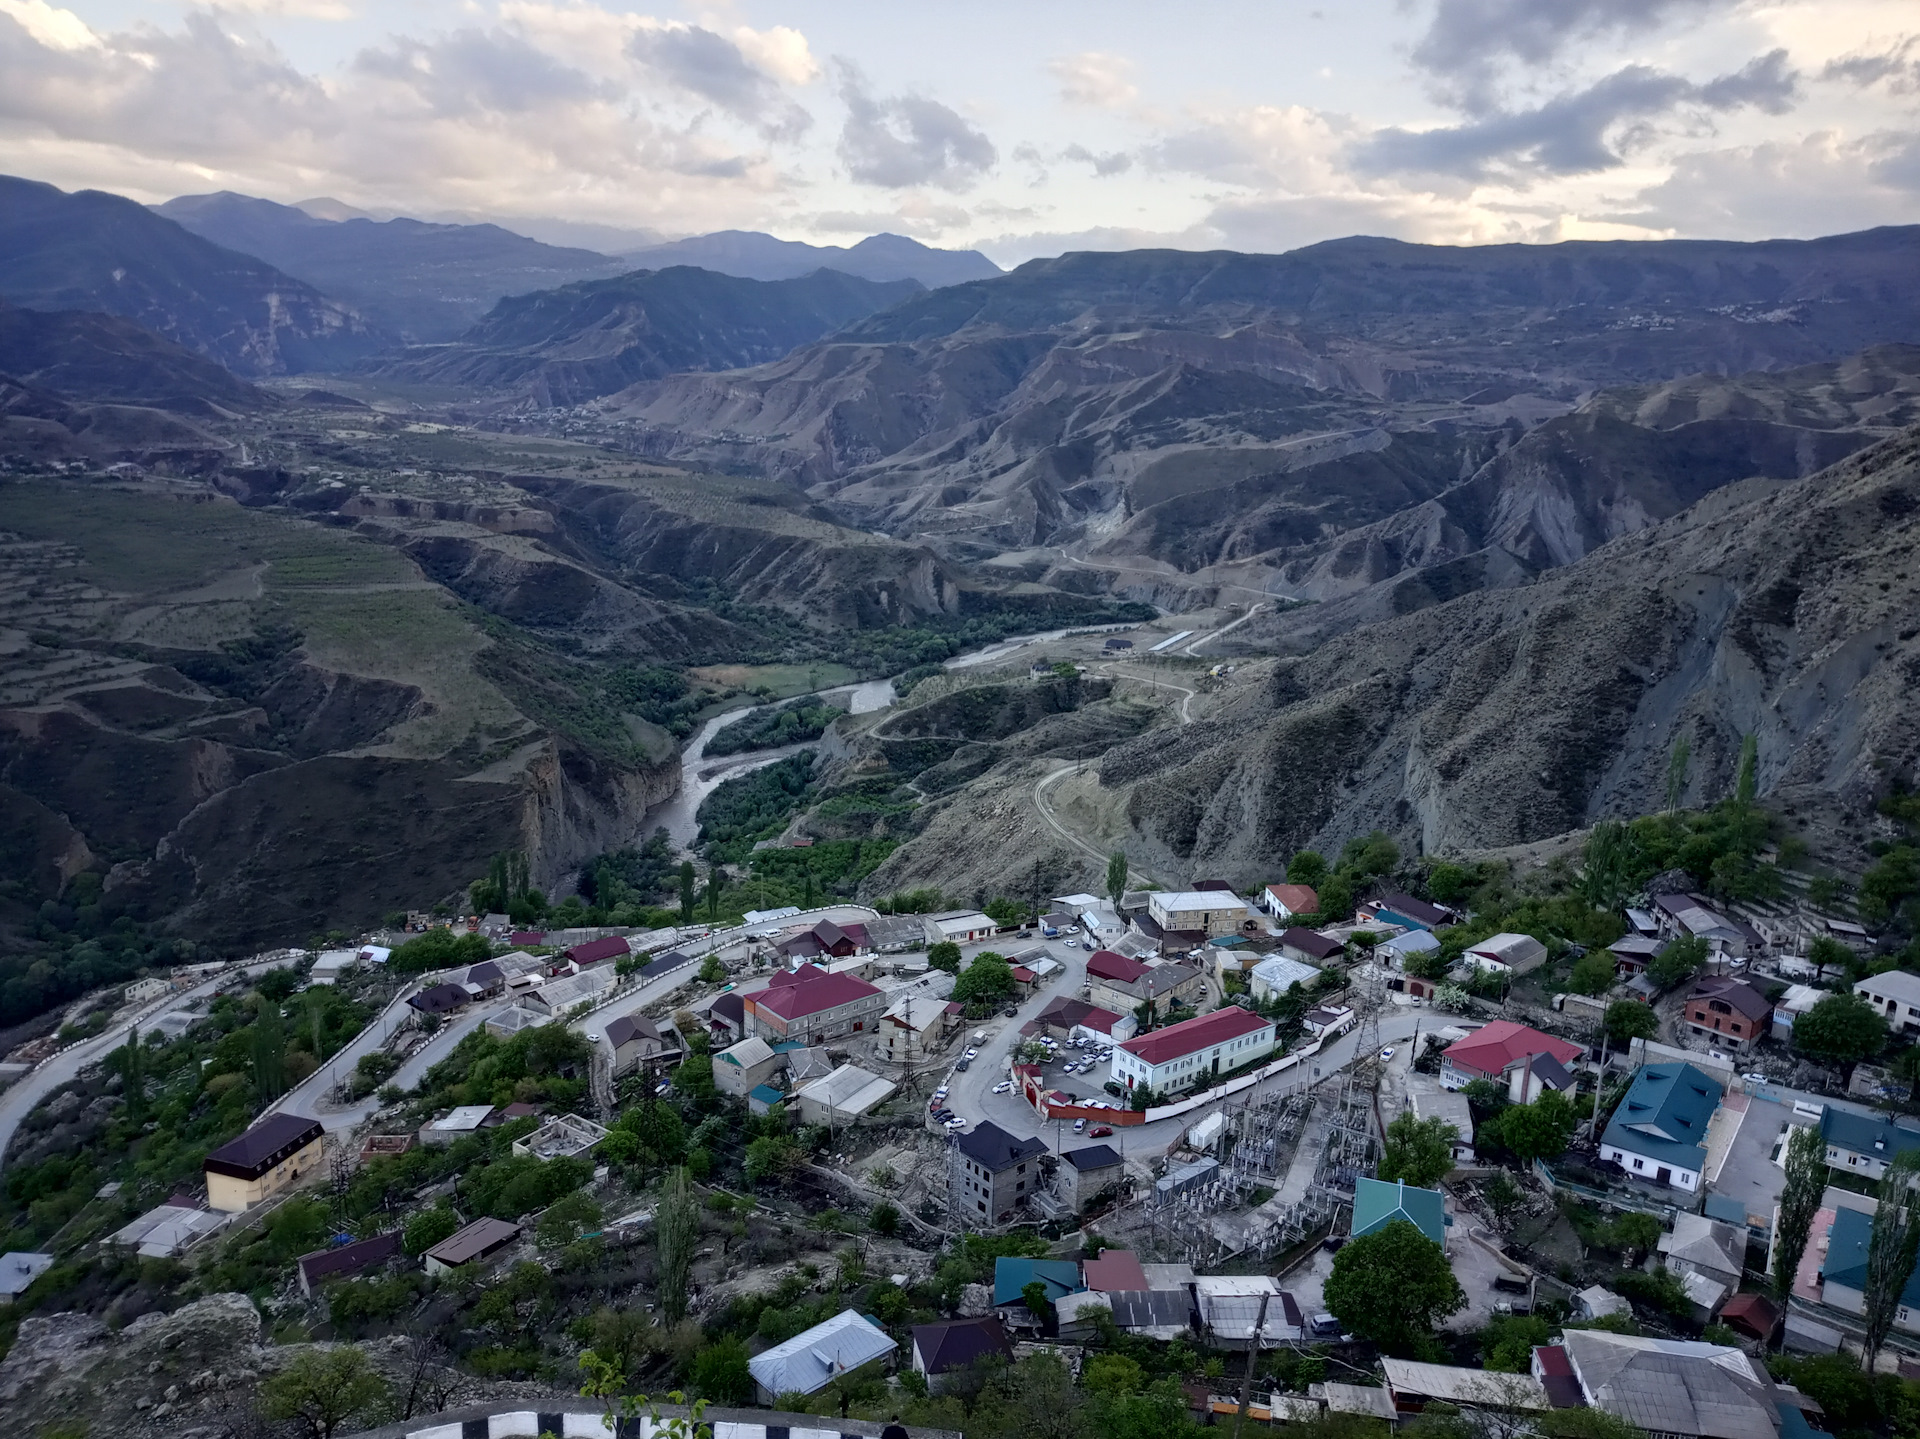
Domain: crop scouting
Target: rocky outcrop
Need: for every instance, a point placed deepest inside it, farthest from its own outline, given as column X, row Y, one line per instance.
column 1502, row 717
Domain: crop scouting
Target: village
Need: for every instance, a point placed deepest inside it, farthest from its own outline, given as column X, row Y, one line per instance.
column 1185, row 1118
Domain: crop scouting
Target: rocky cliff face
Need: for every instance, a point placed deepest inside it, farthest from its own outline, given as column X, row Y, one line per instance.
column 1782, row 610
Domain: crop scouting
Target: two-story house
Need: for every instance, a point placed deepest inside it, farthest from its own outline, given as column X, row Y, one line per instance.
column 1521, row 1060
column 1896, row 997
column 811, row 1005
column 1289, row 901
column 1659, row 1131
column 991, row 1175
column 1123, row 985
column 1863, row 1144
column 1206, row 911
column 1729, row 1012
column 263, row 1161
column 1202, row 1048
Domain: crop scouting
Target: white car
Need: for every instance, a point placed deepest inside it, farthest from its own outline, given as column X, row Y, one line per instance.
column 956, row 1123
column 1003, row 1087
column 1387, row 1053
column 971, row 1052
column 1754, row 1078
column 941, row 1092
column 1078, row 1125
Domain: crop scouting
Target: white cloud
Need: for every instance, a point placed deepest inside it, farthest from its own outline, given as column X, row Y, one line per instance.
column 1822, row 184
column 55, row 28
column 781, row 53
column 1095, row 78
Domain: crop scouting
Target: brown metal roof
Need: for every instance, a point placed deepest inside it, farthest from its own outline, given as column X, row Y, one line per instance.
column 476, row 1241
column 264, row 1145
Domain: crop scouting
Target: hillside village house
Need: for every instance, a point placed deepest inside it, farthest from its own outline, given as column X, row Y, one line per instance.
column 1123, row 985
column 810, row 1005
column 825, row 940
column 1680, row 915
column 914, row 1026
column 1087, row 1173
column 1728, row 1012
column 1514, row 954
column 1405, row 911
column 1310, row 947
column 1287, row 901
column 1864, row 1144
column 1203, row 1048
column 637, row 1041
column 1395, row 952
column 951, row 1347
column 471, row 1247
column 1659, row 1132
column 741, row 1068
column 959, row 926
column 991, row 1174
column 1207, row 911
column 1276, row 974
column 263, row 1161
column 1677, row 1388
column 1896, row 995
column 1069, row 1018
column 1521, row 1059
column 814, row 1358
column 1843, row 1271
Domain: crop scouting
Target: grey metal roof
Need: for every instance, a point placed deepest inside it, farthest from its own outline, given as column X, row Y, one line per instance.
column 1673, row 1386
column 810, row 1360
column 1152, row 1308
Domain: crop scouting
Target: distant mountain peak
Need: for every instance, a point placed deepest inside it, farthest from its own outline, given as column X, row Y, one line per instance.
column 323, row 208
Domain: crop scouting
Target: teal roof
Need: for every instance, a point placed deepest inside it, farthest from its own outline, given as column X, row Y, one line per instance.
column 1867, row 1134
column 1846, row 1261
column 1794, row 1425
column 1665, row 1114
column 1010, row 1276
column 766, row 1094
column 1378, row 1202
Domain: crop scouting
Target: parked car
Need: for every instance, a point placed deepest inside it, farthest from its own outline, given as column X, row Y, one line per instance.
column 1078, row 1125
column 1754, row 1077
column 956, row 1123
column 963, row 1065
column 1100, row 1131
column 1512, row 1284
column 1113, row 1087
column 1387, row 1053
column 971, row 1051
column 1003, row 1086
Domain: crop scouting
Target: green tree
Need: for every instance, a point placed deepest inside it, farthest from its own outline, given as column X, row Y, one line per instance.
column 1392, row 1286
column 1828, row 952
column 1540, row 1130
column 1112, row 1374
column 1116, row 875
column 1448, row 883
column 676, row 1231
column 428, row 1228
column 1035, row 1295
column 885, row 1218
column 269, row 1053
column 1628, row 1019
column 689, row 890
column 1841, row 1029
column 988, row 979
column 1592, row 973
column 1680, row 961
column 1746, row 784
column 1612, row 865
column 1419, row 1151
column 716, row 882
column 1507, row 1343
column 721, row 1374
column 772, row 1156
column 323, row 1389
column 133, row 1076
column 1806, row 1164
column 944, row 954
column 712, row 971
column 1677, row 761
column 1336, row 898
column 1306, row 868
column 1891, row 1248
column 567, row 1220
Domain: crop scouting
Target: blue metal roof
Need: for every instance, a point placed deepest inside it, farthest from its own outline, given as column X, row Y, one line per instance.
column 1378, row 1203
column 1867, row 1134
column 1846, row 1261
column 1010, row 1276
column 1664, row 1116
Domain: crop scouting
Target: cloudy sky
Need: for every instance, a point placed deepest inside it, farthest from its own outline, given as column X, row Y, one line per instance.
column 1021, row 128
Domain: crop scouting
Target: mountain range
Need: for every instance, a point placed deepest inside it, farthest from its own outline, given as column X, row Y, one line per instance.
column 94, row 251
column 591, row 338
column 756, row 256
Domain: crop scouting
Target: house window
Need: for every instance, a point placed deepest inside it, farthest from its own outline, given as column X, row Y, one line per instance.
column 1638, row 1165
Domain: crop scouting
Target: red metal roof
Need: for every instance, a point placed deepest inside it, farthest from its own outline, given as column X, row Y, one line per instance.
column 1023, row 975
column 595, row 950
column 812, row 996
column 1199, row 1033
column 1297, row 897
column 1105, row 964
column 1114, row 1269
column 1492, row 1049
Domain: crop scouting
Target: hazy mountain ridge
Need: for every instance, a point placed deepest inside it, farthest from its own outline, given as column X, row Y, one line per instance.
column 588, row 339
column 420, row 282
column 95, row 251
column 752, row 255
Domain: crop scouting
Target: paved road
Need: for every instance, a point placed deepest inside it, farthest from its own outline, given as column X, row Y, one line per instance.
column 17, row 1102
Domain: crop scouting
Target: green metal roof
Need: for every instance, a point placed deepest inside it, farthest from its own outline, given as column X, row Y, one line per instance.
column 1010, row 1276
column 1377, row 1203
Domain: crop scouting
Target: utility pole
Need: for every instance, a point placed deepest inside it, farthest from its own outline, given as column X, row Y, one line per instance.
column 1253, row 1357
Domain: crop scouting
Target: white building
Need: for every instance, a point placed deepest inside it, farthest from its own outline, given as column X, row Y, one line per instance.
column 1182, row 1055
column 847, row 1094
column 1276, row 974
column 1507, row 954
column 814, row 1358
column 1896, row 996
column 959, row 926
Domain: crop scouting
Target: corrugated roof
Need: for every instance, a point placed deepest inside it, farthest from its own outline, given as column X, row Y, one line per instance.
column 960, row 1343
column 815, row 995
column 1866, row 1133
column 1846, row 1258
column 1310, row 942
column 1490, row 1049
column 1092, row 1156
column 478, row 1238
column 1114, row 1269
column 1200, row 1032
column 1013, row 1274
column 349, row 1258
column 813, row 1358
column 747, row 1053
column 992, row 1147
column 1674, row 1386
column 1478, row 1388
